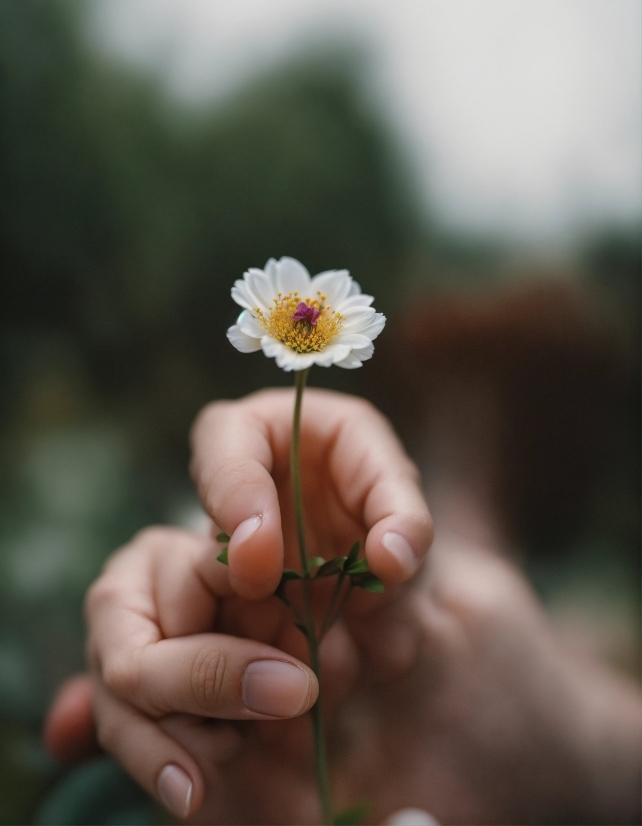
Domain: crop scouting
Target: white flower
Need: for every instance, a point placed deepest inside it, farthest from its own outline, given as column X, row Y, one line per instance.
column 301, row 321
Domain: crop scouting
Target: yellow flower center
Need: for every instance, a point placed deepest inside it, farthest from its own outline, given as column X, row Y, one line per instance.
column 300, row 336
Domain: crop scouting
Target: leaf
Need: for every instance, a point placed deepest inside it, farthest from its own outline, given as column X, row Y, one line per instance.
column 288, row 574
column 222, row 537
column 353, row 815
column 222, row 557
column 368, row 582
column 314, row 562
column 280, row 594
column 302, row 628
column 353, row 554
column 358, row 567
column 332, row 566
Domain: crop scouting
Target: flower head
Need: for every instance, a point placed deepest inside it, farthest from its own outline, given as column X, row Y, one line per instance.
column 301, row 321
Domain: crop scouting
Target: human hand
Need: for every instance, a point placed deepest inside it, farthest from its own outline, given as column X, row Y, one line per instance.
column 150, row 612
column 452, row 695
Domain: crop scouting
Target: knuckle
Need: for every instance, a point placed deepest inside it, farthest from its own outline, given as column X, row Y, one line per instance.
column 121, row 677
column 152, row 536
column 207, row 678
column 102, row 591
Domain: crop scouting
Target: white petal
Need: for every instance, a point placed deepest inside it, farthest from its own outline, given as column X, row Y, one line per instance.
column 303, row 360
column 285, row 358
column 261, row 287
column 272, row 347
column 331, row 354
column 355, row 289
column 335, row 284
column 270, row 270
column 357, row 319
column 350, row 362
column 353, row 301
column 364, row 353
column 355, row 340
column 242, row 295
column 243, row 342
column 292, row 276
column 373, row 329
column 250, row 325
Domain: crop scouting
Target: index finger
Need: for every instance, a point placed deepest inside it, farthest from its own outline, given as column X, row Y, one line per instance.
column 237, row 444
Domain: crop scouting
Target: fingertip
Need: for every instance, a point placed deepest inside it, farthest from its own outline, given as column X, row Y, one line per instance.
column 255, row 556
column 396, row 547
column 69, row 733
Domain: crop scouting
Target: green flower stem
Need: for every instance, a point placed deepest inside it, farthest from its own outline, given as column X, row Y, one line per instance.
column 313, row 642
column 328, row 620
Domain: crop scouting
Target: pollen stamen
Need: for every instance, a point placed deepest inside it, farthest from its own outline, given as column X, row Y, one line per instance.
column 303, row 330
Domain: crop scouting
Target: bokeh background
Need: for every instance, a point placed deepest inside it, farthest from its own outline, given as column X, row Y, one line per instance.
column 476, row 165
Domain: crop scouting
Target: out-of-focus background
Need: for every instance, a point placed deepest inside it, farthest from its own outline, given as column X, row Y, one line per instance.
column 476, row 165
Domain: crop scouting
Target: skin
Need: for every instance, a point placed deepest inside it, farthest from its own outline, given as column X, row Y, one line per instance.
column 450, row 693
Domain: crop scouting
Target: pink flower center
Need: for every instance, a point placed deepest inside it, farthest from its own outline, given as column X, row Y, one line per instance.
column 306, row 313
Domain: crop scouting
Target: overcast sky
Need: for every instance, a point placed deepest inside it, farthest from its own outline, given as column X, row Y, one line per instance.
column 520, row 116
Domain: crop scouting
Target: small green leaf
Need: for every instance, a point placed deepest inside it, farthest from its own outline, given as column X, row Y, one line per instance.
column 354, row 554
column 358, row 567
column 332, row 566
column 353, row 815
column 280, row 594
column 315, row 562
column 288, row 574
column 302, row 628
column 222, row 537
column 222, row 557
column 368, row 582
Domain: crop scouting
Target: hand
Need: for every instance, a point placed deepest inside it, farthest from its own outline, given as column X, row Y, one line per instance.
column 150, row 613
column 466, row 706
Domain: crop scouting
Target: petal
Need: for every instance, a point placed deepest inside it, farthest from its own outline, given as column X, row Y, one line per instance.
column 357, row 319
column 331, row 354
column 261, row 286
column 335, row 284
column 354, row 340
column 243, row 342
column 286, row 358
column 250, row 325
column 373, row 329
column 292, row 276
column 364, row 353
column 272, row 348
column 242, row 295
column 353, row 301
column 350, row 362
column 355, row 289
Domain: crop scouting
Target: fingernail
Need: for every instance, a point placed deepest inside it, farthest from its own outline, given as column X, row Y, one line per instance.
column 175, row 790
column 401, row 550
column 245, row 530
column 276, row 688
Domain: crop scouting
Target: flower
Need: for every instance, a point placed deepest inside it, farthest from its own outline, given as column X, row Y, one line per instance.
column 301, row 321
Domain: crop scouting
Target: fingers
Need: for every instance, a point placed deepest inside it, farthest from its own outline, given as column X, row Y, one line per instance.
column 237, row 446
column 380, row 484
column 231, row 466
column 70, row 732
column 212, row 675
column 155, row 760
column 143, row 591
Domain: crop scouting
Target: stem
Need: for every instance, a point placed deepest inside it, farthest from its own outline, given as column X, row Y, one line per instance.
column 327, row 620
column 313, row 642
